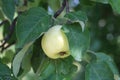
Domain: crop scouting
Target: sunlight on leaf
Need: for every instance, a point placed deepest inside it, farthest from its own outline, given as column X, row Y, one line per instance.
column 18, row 59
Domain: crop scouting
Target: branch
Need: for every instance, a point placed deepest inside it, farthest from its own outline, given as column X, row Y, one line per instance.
column 67, row 7
column 7, row 38
column 5, row 47
column 3, row 22
column 60, row 10
column 25, row 2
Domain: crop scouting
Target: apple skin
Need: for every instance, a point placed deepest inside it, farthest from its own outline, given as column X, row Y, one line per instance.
column 55, row 43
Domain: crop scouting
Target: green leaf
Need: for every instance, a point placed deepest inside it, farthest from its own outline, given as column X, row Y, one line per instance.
column 98, row 70
column 58, row 69
column 78, row 40
column 64, row 69
column 78, row 16
column 1, row 15
column 25, row 64
column 18, row 59
column 48, row 71
column 38, row 60
column 8, row 7
column 102, row 60
column 115, row 5
column 5, row 72
column 31, row 24
column 8, row 56
column 108, row 60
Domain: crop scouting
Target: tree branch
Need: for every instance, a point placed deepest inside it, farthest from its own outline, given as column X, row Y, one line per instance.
column 67, row 7
column 60, row 10
column 5, row 47
column 7, row 38
column 25, row 2
column 3, row 22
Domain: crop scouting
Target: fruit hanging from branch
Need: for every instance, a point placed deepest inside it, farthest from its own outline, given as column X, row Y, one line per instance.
column 55, row 43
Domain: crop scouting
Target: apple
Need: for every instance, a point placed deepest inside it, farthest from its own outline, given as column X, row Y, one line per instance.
column 55, row 43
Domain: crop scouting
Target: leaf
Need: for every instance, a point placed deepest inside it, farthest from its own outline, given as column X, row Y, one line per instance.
column 109, row 61
column 78, row 16
column 31, row 24
column 1, row 15
column 48, row 71
column 115, row 5
column 8, row 56
column 25, row 64
column 8, row 7
column 98, row 70
column 64, row 69
column 5, row 72
column 38, row 60
column 102, row 60
column 58, row 69
column 78, row 40
column 18, row 59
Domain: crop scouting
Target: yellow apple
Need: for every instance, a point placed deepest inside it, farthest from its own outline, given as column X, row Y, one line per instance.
column 55, row 43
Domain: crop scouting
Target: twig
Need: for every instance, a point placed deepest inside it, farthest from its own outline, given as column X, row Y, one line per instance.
column 60, row 10
column 67, row 7
column 3, row 48
column 7, row 38
column 3, row 22
column 25, row 2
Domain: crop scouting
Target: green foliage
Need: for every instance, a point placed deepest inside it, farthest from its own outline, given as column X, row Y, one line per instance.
column 58, row 69
column 8, row 7
column 78, row 40
column 31, row 24
column 114, row 4
column 5, row 73
column 87, row 21
column 18, row 59
column 101, row 63
column 95, row 71
column 77, row 16
column 46, row 68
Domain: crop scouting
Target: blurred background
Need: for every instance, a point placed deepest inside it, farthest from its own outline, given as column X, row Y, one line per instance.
column 103, row 23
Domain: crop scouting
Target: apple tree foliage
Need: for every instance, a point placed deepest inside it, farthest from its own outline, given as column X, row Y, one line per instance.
column 91, row 26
